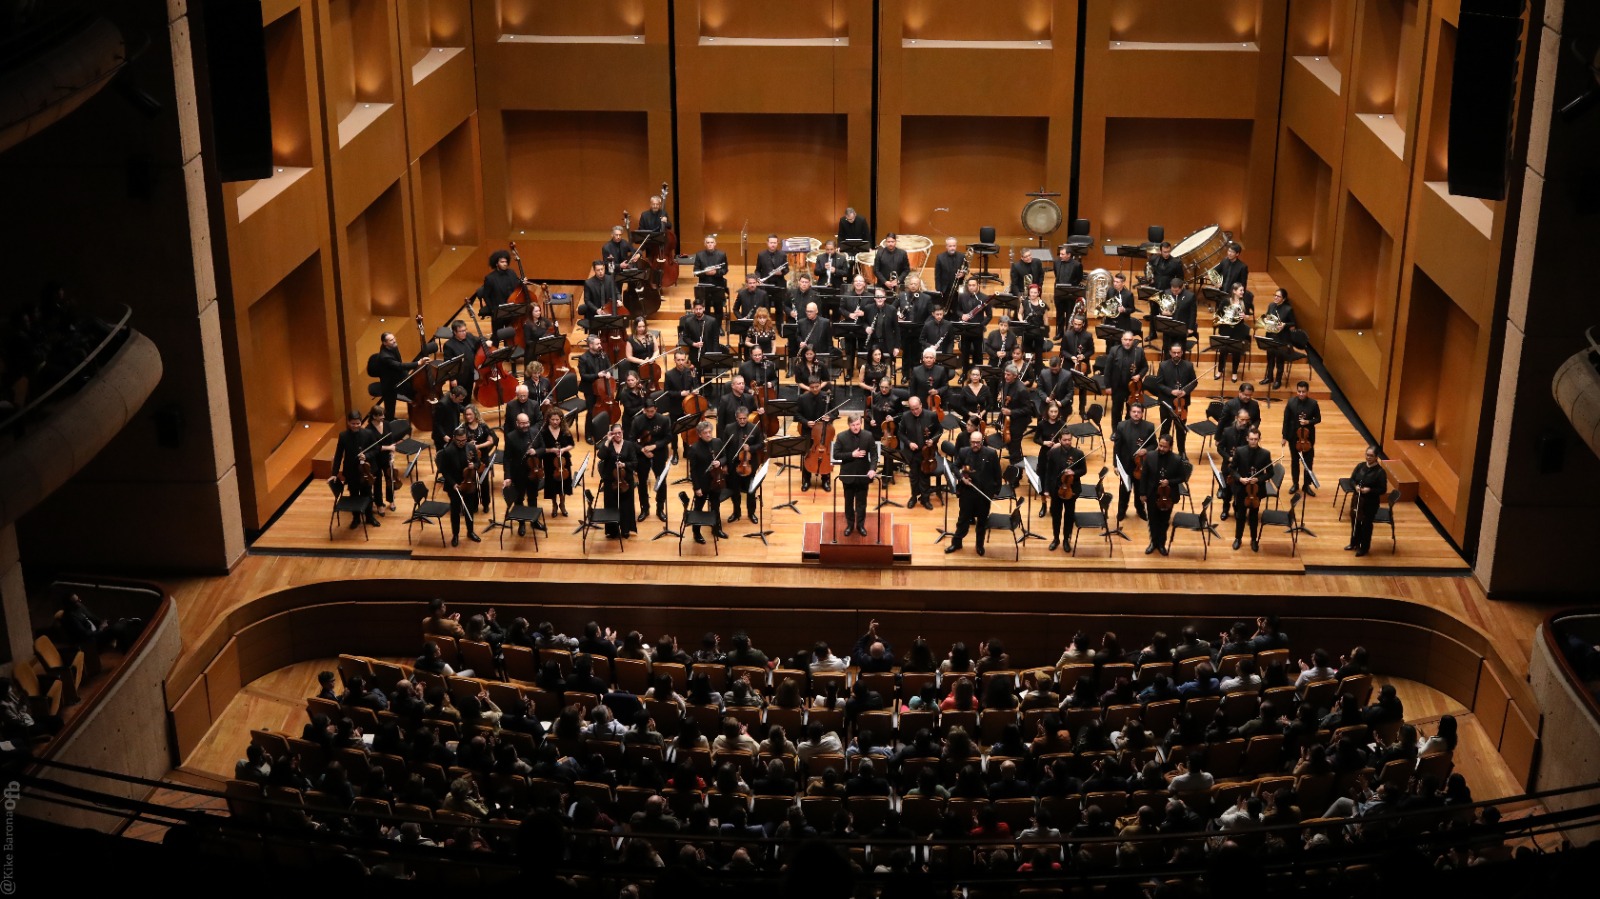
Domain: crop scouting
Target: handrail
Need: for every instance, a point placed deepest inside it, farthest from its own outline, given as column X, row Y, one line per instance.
column 1589, row 699
column 117, row 330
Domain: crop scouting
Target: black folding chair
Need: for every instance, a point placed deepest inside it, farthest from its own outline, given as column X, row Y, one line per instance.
column 1385, row 515
column 703, row 519
column 426, row 511
column 1285, row 519
column 1197, row 521
column 1009, row 521
column 359, row 506
column 531, row 516
column 1099, row 519
column 1089, row 428
column 596, row 517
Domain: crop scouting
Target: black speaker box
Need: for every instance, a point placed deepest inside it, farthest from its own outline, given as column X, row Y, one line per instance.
column 986, row 234
column 1482, row 93
column 236, row 66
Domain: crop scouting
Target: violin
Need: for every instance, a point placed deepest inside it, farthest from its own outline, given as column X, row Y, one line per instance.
column 929, row 460
column 1252, row 495
column 889, row 441
column 1180, row 406
column 1138, row 458
column 718, row 477
column 745, row 468
column 366, row 473
column 1164, row 497
column 1005, row 429
column 469, row 474
column 620, row 480
column 424, row 393
column 1067, row 488
column 535, row 468
column 1302, row 437
column 563, row 466
column 936, row 404
column 1135, row 383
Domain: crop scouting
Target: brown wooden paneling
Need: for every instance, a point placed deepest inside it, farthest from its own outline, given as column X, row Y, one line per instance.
column 222, row 676
column 799, row 19
column 293, row 136
column 955, row 20
column 1492, row 703
column 191, row 718
column 1183, row 176
column 1519, row 743
column 558, row 17
column 782, row 172
column 940, row 154
column 574, row 170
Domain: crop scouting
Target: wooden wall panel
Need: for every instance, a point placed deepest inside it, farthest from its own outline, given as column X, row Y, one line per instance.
column 292, row 380
column 799, row 19
column 574, row 170
column 562, row 17
column 784, row 173
column 1183, row 177
column 1181, row 21
column 936, row 151
column 292, row 133
column 957, row 20
column 222, row 676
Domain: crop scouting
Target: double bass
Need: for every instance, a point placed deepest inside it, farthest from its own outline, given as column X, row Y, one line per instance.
column 495, row 384
column 524, row 295
column 605, row 398
column 424, row 393
column 555, row 362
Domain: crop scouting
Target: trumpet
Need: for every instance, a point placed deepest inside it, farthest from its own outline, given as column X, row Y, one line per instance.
column 1271, row 323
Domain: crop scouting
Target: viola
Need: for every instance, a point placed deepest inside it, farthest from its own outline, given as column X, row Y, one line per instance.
column 1302, row 437
column 1164, row 497
column 469, row 474
column 366, row 474
column 1180, row 406
column 718, row 477
column 563, row 466
column 620, row 482
column 535, row 468
column 1252, row 494
column 936, row 404
column 745, row 467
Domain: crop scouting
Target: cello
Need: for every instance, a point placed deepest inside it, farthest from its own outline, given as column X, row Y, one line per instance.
column 890, row 441
column 605, row 398
column 819, row 456
column 614, row 340
column 695, row 404
column 424, row 392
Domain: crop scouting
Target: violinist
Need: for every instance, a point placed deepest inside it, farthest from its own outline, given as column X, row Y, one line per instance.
column 978, row 467
column 481, row 438
column 1229, row 440
column 520, row 448
column 498, row 285
column 759, row 371
column 554, row 442
column 1132, row 440
column 929, row 378
column 1172, row 385
column 1077, row 348
column 856, row 455
column 1033, row 312
column 1370, row 483
column 711, row 265
column 702, row 457
column 617, row 460
column 1025, row 271
column 651, row 432
column 643, row 346
column 999, row 343
column 616, row 252
column 464, row 345
column 1291, row 334
column 1013, row 399
column 812, row 331
column 1251, row 468
column 763, row 334
column 524, row 403
column 882, row 406
column 447, row 415
column 1055, row 384
column 742, row 434
column 808, row 366
column 598, row 292
column 681, row 381
column 1246, row 401
column 593, row 366
column 391, row 371
column 936, row 331
column 698, row 331
column 874, row 369
column 972, row 402
column 918, row 427
column 1239, row 331
column 750, row 298
column 738, row 397
column 1184, row 310
column 973, row 306
column 1060, row 458
column 1301, row 412
column 386, row 434
column 1165, row 473
column 348, row 453
column 451, row 463
column 811, row 410
column 631, row 397
column 1051, row 424
column 1123, row 320
column 772, row 262
column 831, row 267
column 1122, row 364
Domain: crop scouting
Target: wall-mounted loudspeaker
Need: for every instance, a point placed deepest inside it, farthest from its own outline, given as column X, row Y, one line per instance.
column 236, row 68
column 1483, row 92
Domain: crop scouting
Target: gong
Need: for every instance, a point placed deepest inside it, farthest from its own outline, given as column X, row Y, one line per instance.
column 1041, row 216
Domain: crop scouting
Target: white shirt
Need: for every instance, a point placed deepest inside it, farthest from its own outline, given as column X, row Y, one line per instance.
column 1311, row 675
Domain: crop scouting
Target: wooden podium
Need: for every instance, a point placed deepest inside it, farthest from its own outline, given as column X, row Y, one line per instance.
column 873, row 549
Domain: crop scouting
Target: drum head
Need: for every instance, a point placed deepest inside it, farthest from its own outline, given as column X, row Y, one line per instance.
column 913, row 243
column 1196, row 240
column 1041, row 216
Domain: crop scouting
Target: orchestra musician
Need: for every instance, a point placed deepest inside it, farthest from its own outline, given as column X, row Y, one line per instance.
column 832, row 267
column 936, row 332
column 451, row 463
column 498, row 285
column 1301, row 411
column 1055, row 384
column 617, row 460
column 874, row 369
column 918, row 426
column 519, row 448
column 482, row 440
column 348, row 452
column 1251, row 465
column 1124, row 319
column 1033, row 312
column 447, row 415
column 1076, row 346
column 1232, row 269
column 598, row 291
column 882, row 406
column 651, row 432
column 742, row 432
column 386, row 433
column 464, row 345
column 855, row 454
column 1014, row 400
column 929, row 377
column 750, row 298
column 1174, row 381
column 813, row 409
column 1163, row 469
column 392, row 371
column 738, row 397
column 1062, row 457
column 536, row 327
column 762, row 334
column 758, row 370
column 631, row 398
column 880, row 331
column 915, row 304
column 1044, row 434
column 1132, row 438
column 655, row 218
column 1291, row 333
column 972, row 402
column 1229, row 440
column 617, row 252
column 854, row 227
column 772, row 262
column 698, row 331
column 999, row 343
column 978, row 468
column 701, row 456
column 522, row 404
column 1121, row 364
column 812, row 331
column 1023, row 270
column 1184, row 310
column 681, row 381
column 593, row 365
column 891, row 265
column 947, row 267
column 1069, row 273
column 1240, row 331
column 973, row 306
column 552, row 442
column 712, row 265
column 539, row 386
column 854, row 306
column 1163, row 268
column 1370, row 483
column 643, row 346
column 1246, row 401
column 809, row 366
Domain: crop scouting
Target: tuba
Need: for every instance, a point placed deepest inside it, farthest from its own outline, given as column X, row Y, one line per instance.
column 1098, row 294
column 1272, row 323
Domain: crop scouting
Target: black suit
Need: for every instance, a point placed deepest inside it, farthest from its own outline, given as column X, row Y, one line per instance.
column 1130, row 437
column 1120, row 367
column 924, row 381
column 653, row 433
column 1057, row 461
column 1249, row 462
column 1173, row 376
column 524, row 486
column 853, row 472
column 894, row 263
column 770, row 261
column 1276, row 364
column 946, row 268
column 1366, row 504
column 387, row 367
column 754, row 437
column 1233, row 271
column 590, row 367
column 717, row 262
column 985, row 465
column 1075, row 343
column 1292, row 411
column 816, row 333
column 347, row 452
column 693, row 330
column 856, row 230
column 840, row 274
column 917, row 429
column 1230, row 411
column 747, row 301
column 1158, row 467
column 1184, row 310
column 699, row 456
column 969, row 304
column 619, row 470
column 451, row 463
column 1019, row 276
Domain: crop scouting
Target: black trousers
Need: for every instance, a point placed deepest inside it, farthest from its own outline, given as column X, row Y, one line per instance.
column 971, row 351
column 1169, row 423
column 623, row 504
column 1122, row 498
column 1119, row 404
column 1160, row 524
column 384, row 479
column 647, row 483
column 1361, row 531
column 524, row 491
column 1294, row 464
column 919, row 481
column 1243, row 514
column 855, row 501
column 1275, row 367
column 1061, row 517
column 459, row 509
column 974, row 509
column 740, row 488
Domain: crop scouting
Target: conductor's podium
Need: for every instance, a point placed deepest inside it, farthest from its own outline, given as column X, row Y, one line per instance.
column 824, row 542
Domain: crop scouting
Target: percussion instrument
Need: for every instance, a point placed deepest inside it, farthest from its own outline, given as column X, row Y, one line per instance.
column 1200, row 252
column 1041, row 216
column 917, row 249
column 802, row 252
column 864, row 263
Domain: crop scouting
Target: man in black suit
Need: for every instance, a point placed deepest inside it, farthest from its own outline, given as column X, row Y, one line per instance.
column 651, row 432
column 917, row 427
column 1133, row 438
column 1246, row 401
column 1164, row 470
column 1184, row 309
column 1121, row 364
column 772, row 263
column 349, row 451
column 1251, row 467
column 1233, row 269
column 929, row 377
column 391, row 371
column 1172, row 383
column 711, row 265
column 853, row 227
column 1061, row 458
column 1025, row 271
column 891, row 263
column 832, row 267
column 978, row 469
column 701, row 456
column 856, row 455
column 947, row 268
column 1301, row 411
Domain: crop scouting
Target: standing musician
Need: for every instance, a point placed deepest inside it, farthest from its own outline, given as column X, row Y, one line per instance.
column 1229, row 440
column 539, row 388
column 758, row 370
column 536, row 327
column 616, row 252
column 812, row 331
column 936, row 332
column 855, row 453
column 750, row 298
column 808, row 367
column 617, row 460
column 465, row 345
column 1184, row 310
column 387, row 434
column 882, row 406
column 447, row 415
column 711, row 265
column 643, row 346
column 1132, row 439
column 598, row 291
column 772, row 262
column 891, row 264
column 929, row 377
column 857, row 296
column 973, row 306
column 761, row 335
column 853, row 227
column 1077, row 347
column 1251, row 467
column 832, row 267
column 1120, row 365
column 522, row 404
column 1370, row 483
column 947, row 267
column 1033, row 311
column 681, row 381
column 1014, row 400
column 918, row 426
column 875, row 369
column 1172, row 383
column 1123, row 319
column 1290, row 334
column 1246, row 401
column 651, row 432
column 554, row 441
column 451, row 463
column 698, row 331
column 853, row 308
column 1026, row 270
column 978, row 467
column 481, row 438
column 391, row 371
column 498, row 285
column 742, row 432
column 880, row 333
column 593, row 366
column 1069, row 273
column 1165, row 473
column 654, row 218
column 1045, row 434
column 1162, row 268
column 972, row 402
column 702, row 457
column 1055, row 384
column 1061, row 458
column 519, row 449
column 1240, row 331
column 1000, row 342
column 914, row 304
column 1301, row 411
column 1232, row 269
column 813, row 409
column 348, row 452
column 738, row 397
column 631, row 398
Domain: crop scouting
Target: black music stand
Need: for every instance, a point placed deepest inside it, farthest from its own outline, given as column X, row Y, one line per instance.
column 1283, row 351
column 1008, row 302
column 1128, row 484
column 599, row 324
column 960, row 331
column 758, row 496
column 550, row 343
column 781, row 407
column 1314, row 484
column 509, row 315
column 783, row 448
column 1171, row 327
column 947, row 358
column 718, row 359
column 680, row 425
column 711, row 296
column 1038, row 491
column 1221, row 344
column 855, row 245
column 666, row 526
column 737, row 329
column 950, row 488
column 847, row 333
column 1110, row 333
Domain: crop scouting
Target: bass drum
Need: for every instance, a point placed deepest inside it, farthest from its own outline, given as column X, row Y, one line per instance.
column 1041, row 216
column 1200, row 251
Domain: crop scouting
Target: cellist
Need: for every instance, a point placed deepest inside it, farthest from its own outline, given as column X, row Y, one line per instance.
column 813, row 410
column 1250, row 467
column 1062, row 457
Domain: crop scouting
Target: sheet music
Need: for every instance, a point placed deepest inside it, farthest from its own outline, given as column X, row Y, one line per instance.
column 1215, row 473
column 1033, row 476
column 661, row 481
column 577, row 476
column 1311, row 476
column 761, row 475
column 1127, row 482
